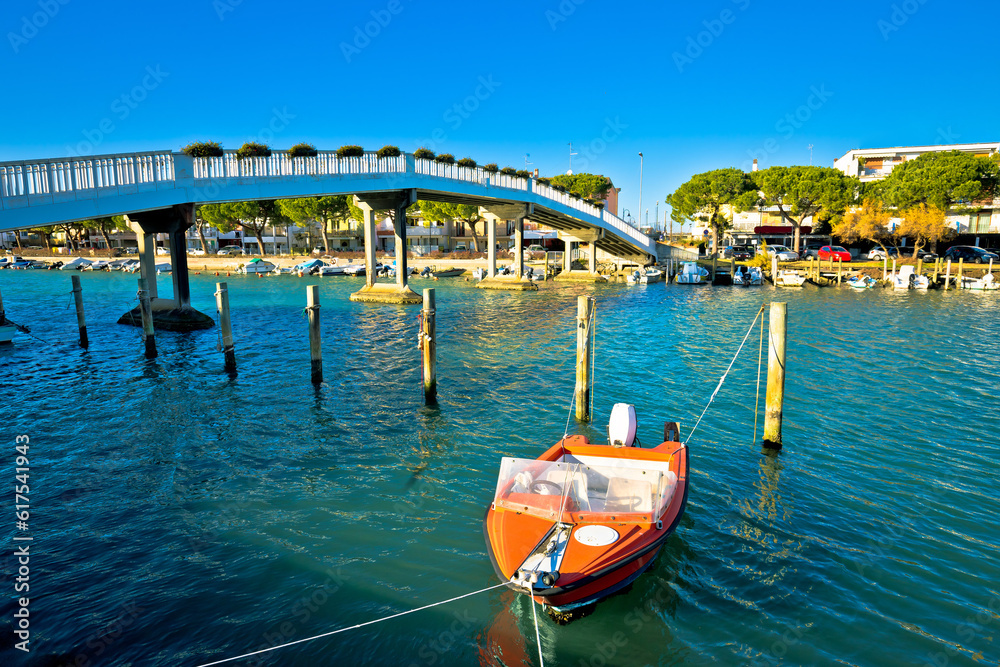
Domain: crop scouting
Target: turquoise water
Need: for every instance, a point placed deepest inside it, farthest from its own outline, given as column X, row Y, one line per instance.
column 181, row 516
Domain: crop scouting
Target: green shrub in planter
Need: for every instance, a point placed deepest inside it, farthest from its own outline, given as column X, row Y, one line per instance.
column 491, row 167
column 389, row 151
column 423, row 154
column 302, row 150
column 543, row 180
column 203, row 149
column 467, row 162
column 350, row 151
column 523, row 173
column 509, row 171
column 560, row 188
column 252, row 149
column 599, row 203
column 445, row 158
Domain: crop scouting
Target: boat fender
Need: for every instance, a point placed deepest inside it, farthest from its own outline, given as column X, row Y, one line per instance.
column 659, row 525
column 550, row 578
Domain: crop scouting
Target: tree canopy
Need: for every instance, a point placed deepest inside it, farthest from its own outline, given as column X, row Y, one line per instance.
column 322, row 210
column 252, row 215
column 713, row 197
column 590, row 186
column 923, row 224
column 799, row 192
column 440, row 211
column 941, row 180
column 869, row 223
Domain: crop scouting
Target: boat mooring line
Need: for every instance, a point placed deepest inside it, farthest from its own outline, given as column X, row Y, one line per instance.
column 724, row 375
column 538, row 636
column 354, row 627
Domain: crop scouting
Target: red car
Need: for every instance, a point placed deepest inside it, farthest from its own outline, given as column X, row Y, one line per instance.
column 834, row 252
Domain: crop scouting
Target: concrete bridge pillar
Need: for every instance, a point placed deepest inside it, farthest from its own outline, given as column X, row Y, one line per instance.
column 491, row 239
column 568, row 256
column 516, row 212
column 373, row 292
column 169, row 314
column 592, row 262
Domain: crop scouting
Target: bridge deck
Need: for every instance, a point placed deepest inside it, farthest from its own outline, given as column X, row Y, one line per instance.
column 39, row 193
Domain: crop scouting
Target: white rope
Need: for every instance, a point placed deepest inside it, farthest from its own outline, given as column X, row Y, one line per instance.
column 353, row 627
column 538, row 637
column 723, row 378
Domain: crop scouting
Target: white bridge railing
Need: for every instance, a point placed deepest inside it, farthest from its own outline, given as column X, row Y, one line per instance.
column 40, row 182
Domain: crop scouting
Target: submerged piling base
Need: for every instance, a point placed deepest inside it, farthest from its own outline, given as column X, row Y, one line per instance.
column 168, row 317
column 508, row 283
column 386, row 293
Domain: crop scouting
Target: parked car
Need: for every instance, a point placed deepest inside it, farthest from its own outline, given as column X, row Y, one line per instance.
column 877, row 254
column 162, row 251
column 835, row 252
column 782, row 252
column 970, row 253
column 737, row 252
column 230, row 250
column 812, row 250
column 196, row 251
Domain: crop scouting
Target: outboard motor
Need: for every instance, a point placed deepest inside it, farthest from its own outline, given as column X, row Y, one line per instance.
column 426, row 272
column 622, row 425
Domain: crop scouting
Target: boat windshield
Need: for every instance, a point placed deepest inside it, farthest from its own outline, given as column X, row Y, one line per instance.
column 623, row 491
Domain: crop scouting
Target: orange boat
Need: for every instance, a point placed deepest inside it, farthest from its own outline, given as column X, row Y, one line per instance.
column 583, row 521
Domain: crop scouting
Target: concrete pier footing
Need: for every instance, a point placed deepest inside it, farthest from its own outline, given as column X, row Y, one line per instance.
column 511, row 283
column 386, row 293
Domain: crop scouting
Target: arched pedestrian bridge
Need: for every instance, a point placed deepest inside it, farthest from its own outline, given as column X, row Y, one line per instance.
column 158, row 191
column 37, row 193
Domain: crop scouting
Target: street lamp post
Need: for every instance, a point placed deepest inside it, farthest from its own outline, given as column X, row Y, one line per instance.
column 640, row 183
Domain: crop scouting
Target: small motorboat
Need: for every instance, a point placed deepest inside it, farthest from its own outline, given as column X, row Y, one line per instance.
column 649, row 275
column 130, row 265
column 76, row 264
column 309, row 267
column 257, row 265
column 861, row 282
column 584, row 520
column 355, row 270
column 907, row 278
column 434, row 272
column 479, row 273
column 747, row 276
column 986, row 283
column 98, row 265
column 692, row 274
column 788, row 278
column 163, row 268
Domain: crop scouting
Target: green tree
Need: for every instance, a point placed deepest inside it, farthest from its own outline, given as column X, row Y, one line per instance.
column 713, row 197
column 107, row 226
column 464, row 213
column 589, row 186
column 254, row 215
column 74, row 233
column 943, row 180
column 321, row 210
column 799, row 192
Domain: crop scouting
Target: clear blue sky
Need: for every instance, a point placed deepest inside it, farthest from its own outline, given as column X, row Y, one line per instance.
column 694, row 86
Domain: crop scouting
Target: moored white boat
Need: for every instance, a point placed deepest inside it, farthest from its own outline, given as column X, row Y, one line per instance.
column 788, row 278
column 308, row 267
column 746, row 276
column 75, row 264
column 907, row 278
column 986, row 283
column 645, row 277
column 692, row 274
column 861, row 282
column 257, row 265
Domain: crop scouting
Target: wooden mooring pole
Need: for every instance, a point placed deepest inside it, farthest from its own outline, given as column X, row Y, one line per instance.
column 315, row 352
column 947, row 275
column 81, row 320
column 222, row 303
column 146, row 308
column 958, row 279
column 428, row 346
column 774, row 402
column 840, row 269
column 584, row 317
